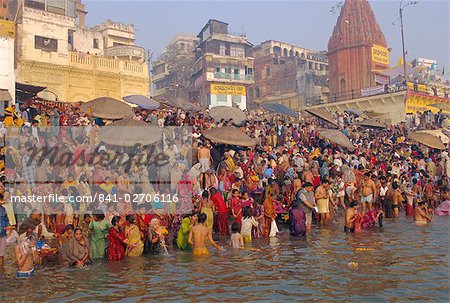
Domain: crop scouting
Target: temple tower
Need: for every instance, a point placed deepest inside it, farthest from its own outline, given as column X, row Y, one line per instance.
column 356, row 49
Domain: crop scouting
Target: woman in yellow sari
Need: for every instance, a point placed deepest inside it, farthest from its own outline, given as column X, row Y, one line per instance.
column 135, row 247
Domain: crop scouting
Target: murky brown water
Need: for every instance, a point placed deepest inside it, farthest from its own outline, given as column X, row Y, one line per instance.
column 407, row 263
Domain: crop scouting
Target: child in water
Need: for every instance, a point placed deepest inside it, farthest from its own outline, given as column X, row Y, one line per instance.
column 237, row 241
column 248, row 222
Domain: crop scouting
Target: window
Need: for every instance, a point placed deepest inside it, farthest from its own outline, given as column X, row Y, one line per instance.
column 37, row 4
column 217, row 69
column 267, row 71
column 46, row 44
column 56, row 6
column 257, row 92
column 222, row 49
column 275, row 61
column 235, row 100
column 237, row 51
column 117, row 44
column 250, row 93
column 342, row 85
column 182, row 46
column 70, row 39
column 95, row 43
column 248, row 70
column 221, row 99
column 227, row 70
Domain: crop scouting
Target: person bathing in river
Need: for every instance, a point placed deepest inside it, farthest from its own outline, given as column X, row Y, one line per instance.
column 236, row 241
column 25, row 256
column 351, row 214
column 198, row 236
column 421, row 214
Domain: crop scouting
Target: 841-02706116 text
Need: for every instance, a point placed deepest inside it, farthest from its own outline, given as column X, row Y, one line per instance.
column 138, row 198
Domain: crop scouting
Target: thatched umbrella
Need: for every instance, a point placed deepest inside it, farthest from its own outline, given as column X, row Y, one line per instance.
column 279, row 109
column 226, row 112
column 142, row 101
column 229, row 135
column 129, row 132
column 371, row 123
column 428, row 139
column 336, row 136
column 107, row 108
column 183, row 104
column 323, row 114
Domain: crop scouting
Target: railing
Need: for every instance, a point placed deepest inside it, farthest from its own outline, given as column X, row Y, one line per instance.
column 353, row 94
column 233, row 76
column 125, row 51
column 106, row 64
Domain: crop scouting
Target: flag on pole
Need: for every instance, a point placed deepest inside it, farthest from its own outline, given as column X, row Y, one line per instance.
column 400, row 61
column 443, row 71
column 433, row 66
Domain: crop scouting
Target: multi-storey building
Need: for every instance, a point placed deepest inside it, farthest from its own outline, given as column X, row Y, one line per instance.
column 172, row 71
column 55, row 49
column 287, row 74
column 7, row 76
column 223, row 68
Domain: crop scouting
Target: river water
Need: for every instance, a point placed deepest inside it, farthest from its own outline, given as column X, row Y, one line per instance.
column 397, row 263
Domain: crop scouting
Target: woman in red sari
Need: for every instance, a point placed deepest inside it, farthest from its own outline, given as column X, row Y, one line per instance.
column 116, row 238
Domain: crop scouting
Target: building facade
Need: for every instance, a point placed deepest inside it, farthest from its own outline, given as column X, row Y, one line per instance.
column 74, row 62
column 4, row 9
column 7, row 75
column 287, row 74
column 223, row 68
column 172, row 71
column 356, row 49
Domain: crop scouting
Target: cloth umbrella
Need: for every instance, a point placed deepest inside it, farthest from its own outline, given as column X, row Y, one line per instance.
column 323, row 114
column 229, row 135
column 129, row 132
column 444, row 106
column 279, row 109
column 428, row 139
column 225, row 112
column 336, row 136
column 371, row 123
column 440, row 133
column 183, row 104
column 142, row 101
column 107, row 108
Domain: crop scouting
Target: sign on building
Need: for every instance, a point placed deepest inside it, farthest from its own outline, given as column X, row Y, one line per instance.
column 227, row 89
column 380, row 54
column 371, row 91
column 7, row 28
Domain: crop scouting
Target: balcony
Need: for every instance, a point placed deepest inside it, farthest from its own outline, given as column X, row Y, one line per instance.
column 103, row 64
column 229, row 76
column 133, row 52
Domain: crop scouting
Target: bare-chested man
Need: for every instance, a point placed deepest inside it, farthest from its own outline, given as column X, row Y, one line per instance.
column 421, row 215
column 322, row 201
column 397, row 199
column 25, row 256
column 368, row 192
column 204, row 157
column 350, row 216
column 198, row 236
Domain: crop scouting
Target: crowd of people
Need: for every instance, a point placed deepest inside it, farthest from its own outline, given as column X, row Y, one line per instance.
column 292, row 177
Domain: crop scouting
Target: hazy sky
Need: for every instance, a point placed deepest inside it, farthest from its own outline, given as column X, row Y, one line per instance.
column 307, row 24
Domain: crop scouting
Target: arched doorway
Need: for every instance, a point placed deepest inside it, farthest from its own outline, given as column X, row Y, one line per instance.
column 342, row 85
